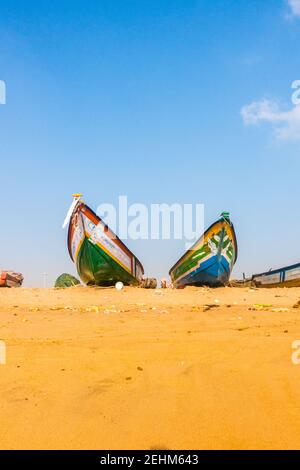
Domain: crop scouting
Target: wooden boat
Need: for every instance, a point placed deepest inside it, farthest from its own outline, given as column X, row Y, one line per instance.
column 100, row 256
column 282, row 277
column 210, row 260
column 10, row 279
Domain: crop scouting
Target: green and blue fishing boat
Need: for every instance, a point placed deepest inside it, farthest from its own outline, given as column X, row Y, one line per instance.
column 101, row 258
column 210, row 260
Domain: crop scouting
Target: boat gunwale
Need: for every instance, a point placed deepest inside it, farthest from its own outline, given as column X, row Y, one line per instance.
column 276, row 271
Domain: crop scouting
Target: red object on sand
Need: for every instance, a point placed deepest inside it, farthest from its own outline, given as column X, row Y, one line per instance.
column 10, row 279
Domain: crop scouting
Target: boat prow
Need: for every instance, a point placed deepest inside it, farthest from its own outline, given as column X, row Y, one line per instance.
column 101, row 258
column 211, row 259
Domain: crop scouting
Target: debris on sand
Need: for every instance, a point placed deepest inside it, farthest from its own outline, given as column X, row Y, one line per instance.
column 280, row 309
column 209, row 307
column 158, row 292
column 93, row 308
column 260, row 307
column 149, row 283
column 119, row 285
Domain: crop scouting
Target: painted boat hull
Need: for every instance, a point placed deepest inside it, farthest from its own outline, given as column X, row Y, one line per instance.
column 210, row 261
column 101, row 258
column 288, row 276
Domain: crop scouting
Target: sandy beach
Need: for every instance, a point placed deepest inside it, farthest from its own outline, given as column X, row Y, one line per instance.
column 92, row 368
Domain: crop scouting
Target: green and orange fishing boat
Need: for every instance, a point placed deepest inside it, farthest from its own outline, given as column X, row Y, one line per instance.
column 210, row 260
column 101, row 258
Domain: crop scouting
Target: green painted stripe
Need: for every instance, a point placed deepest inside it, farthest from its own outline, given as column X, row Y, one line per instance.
column 193, row 260
column 95, row 267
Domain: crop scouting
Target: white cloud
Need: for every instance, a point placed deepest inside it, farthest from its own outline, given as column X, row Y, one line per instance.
column 295, row 7
column 285, row 124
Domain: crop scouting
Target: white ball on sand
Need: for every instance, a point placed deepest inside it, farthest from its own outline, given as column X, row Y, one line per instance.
column 119, row 285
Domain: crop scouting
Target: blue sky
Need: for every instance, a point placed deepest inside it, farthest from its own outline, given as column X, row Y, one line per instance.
column 165, row 101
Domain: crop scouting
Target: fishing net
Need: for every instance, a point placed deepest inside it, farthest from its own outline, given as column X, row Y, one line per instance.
column 10, row 279
column 66, row 280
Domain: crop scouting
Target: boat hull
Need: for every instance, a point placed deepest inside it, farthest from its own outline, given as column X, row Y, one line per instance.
column 210, row 261
column 284, row 277
column 214, row 273
column 95, row 267
column 101, row 258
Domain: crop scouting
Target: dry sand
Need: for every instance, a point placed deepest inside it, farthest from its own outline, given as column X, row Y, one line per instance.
column 142, row 369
